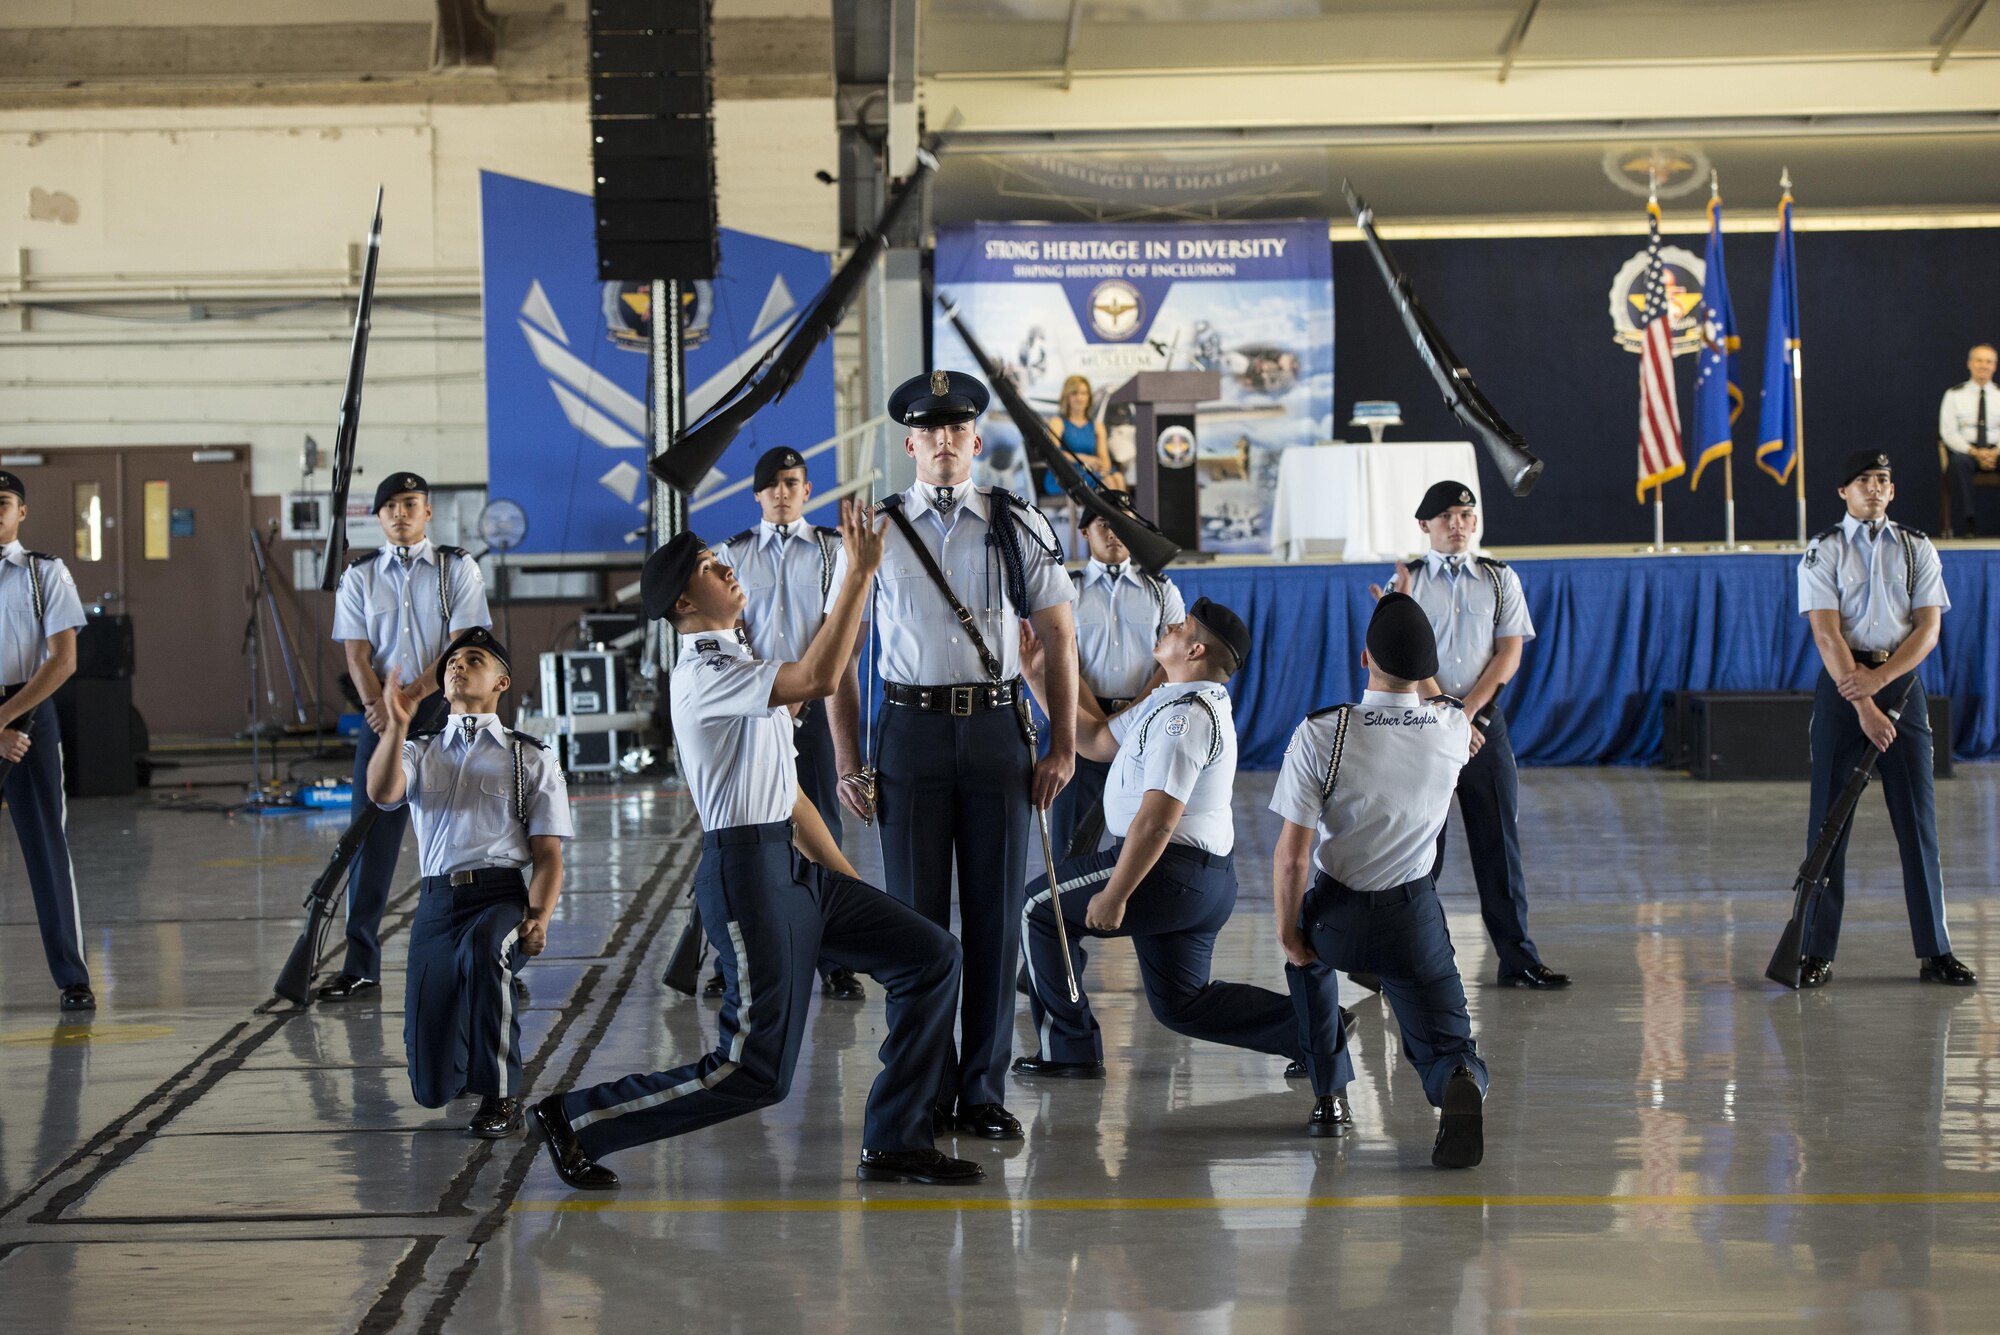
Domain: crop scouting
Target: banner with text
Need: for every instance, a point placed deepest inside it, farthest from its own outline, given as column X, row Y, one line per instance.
column 566, row 371
column 1253, row 301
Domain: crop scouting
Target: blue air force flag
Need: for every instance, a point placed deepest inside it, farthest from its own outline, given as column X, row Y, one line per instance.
column 1777, row 439
column 1717, row 400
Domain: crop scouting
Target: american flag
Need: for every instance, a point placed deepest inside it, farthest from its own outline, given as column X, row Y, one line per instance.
column 1660, row 458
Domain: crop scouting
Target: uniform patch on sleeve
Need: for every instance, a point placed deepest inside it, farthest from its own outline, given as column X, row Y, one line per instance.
column 1177, row 725
column 706, row 646
column 1812, row 556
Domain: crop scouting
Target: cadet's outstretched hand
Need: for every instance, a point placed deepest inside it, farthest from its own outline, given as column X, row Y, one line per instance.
column 396, row 706
column 861, row 536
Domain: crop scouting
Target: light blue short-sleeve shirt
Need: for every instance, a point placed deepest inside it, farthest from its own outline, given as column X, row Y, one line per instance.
column 24, row 635
column 1119, row 618
column 1471, row 602
column 469, row 811
column 1175, row 743
column 396, row 606
column 1875, row 577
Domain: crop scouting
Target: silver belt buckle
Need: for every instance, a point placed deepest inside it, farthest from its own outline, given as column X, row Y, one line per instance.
column 463, row 878
column 961, row 701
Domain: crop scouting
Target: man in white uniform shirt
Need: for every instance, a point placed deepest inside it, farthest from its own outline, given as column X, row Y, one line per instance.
column 957, row 779
column 776, row 895
column 1480, row 619
column 1873, row 592
column 1121, row 612
column 492, row 812
column 396, row 609
column 1969, row 430
column 1168, row 881
column 786, row 566
column 1363, row 792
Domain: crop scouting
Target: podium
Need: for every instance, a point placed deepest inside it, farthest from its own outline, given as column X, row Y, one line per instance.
column 1163, row 481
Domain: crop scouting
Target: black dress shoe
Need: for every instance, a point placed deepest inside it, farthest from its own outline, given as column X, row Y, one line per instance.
column 1330, row 1117
column 520, row 987
column 497, row 1117
column 79, row 997
column 931, row 1167
column 842, row 985
column 1461, row 1139
column 1368, row 980
column 1296, row 1071
column 990, row 1121
column 1536, row 975
column 572, row 1165
column 1946, row 968
column 1814, row 972
column 714, row 987
column 347, row 987
column 1349, row 1021
column 1059, row 1070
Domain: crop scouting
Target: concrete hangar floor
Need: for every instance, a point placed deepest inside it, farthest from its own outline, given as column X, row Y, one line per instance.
column 1671, row 1145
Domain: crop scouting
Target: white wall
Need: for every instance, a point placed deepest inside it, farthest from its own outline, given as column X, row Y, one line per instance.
column 174, row 206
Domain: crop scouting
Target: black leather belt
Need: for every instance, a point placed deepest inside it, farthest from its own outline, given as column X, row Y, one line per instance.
column 774, row 832
column 1395, row 894
column 957, row 701
column 1871, row 657
column 1111, row 705
column 482, row 877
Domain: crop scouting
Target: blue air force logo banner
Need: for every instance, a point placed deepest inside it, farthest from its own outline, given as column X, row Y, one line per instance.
column 566, row 372
column 1105, row 302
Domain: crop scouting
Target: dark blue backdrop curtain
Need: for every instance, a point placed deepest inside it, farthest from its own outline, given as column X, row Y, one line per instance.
column 1614, row 634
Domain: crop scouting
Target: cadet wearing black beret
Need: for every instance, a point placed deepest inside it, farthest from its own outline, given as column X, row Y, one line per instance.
column 399, row 484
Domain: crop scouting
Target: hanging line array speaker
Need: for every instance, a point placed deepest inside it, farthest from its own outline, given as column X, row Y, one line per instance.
column 652, row 139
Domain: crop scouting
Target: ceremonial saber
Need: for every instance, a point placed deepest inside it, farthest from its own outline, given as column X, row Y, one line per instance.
column 1055, row 906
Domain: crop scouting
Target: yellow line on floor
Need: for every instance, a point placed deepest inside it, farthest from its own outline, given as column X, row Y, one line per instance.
column 614, row 1205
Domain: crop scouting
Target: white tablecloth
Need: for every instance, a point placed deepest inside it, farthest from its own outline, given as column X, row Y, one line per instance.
column 1358, row 502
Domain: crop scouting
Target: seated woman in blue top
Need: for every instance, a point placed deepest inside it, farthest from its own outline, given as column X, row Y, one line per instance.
column 1081, row 434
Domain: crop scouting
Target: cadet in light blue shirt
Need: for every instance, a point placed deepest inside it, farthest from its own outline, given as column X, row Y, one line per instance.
column 1121, row 612
column 1874, row 594
column 491, row 813
column 396, row 609
column 1480, row 620
column 957, row 775
column 786, row 567
column 39, row 617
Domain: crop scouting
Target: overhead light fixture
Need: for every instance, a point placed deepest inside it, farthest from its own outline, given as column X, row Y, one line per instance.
column 21, row 460
column 215, row 456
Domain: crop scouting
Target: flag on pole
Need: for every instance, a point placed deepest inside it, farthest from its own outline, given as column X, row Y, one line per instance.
column 1717, row 400
column 1777, row 443
column 1660, row 457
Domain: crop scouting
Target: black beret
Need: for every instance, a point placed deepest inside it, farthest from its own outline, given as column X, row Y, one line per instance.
column 1400, row 640
column 1114, row 497
column 1225, row 625
column 475, row 637
column 1442, row 496
column 938, row 399
column 1862, row 461
column 395, row 485
column 773, row 462
column 12, row 482
column 667, row 573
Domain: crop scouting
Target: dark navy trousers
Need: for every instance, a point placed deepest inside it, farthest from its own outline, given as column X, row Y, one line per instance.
column 375, row 865
column 1172, row 918
column 459, row 1026
column 953, row 793
column 1907, row 787
column 1084, row 791
column 1399, row 935
column 1489, row 800
column 34, row 792
column 770, row 914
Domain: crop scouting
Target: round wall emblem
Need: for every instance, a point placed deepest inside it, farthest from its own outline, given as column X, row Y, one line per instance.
column 1176, row 447
column 1116, row 310
column 1684, row 273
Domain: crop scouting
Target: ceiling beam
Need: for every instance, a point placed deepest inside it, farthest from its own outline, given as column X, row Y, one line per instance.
column 1510, row 45
column 1954, row 29
column 464, row 35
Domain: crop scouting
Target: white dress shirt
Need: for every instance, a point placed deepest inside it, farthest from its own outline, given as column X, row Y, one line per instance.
column 393, row 604
column 459, row 785
column 785, row 579
column 1168, row 743
column 1458, row 594
column 1119, row 619
column 1865, row 576
column 24, row 639
column 1398, row 767
column 735, row 746
column 922, row 643
column 1958, row 416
